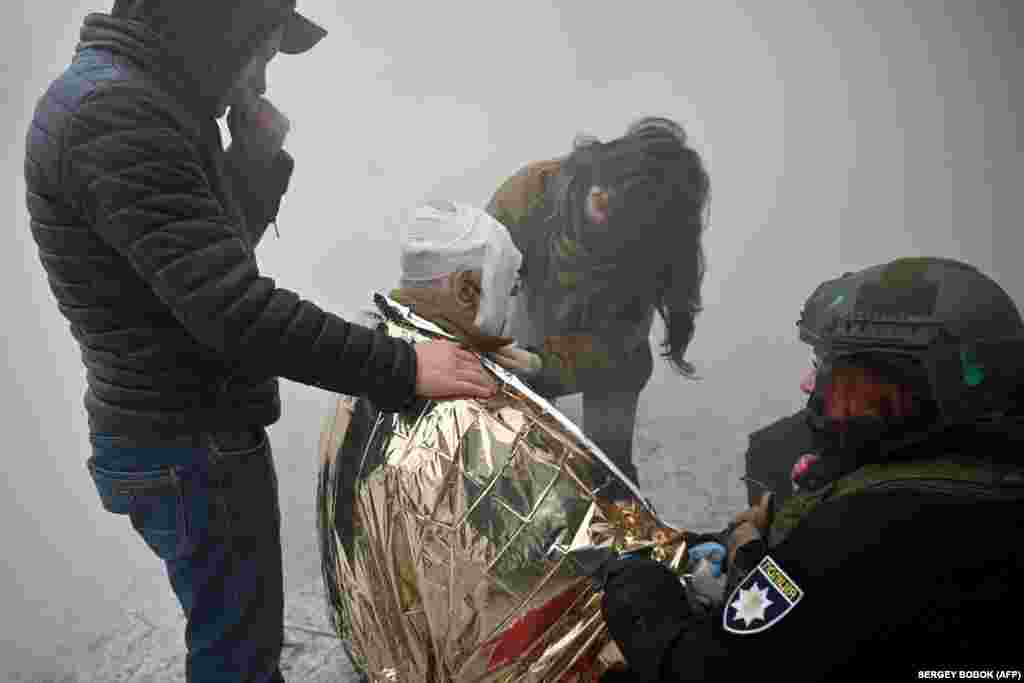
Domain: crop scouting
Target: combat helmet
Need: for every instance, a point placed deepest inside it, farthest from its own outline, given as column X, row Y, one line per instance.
column 955, row 324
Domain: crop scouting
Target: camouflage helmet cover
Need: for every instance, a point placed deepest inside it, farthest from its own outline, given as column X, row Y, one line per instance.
column 908, row 305
column 957, row 323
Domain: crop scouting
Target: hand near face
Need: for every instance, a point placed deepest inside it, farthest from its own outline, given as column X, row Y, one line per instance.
column 258, row 129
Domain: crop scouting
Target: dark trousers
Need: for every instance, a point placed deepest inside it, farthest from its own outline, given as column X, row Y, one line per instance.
column 611, row 397
column 209, row 510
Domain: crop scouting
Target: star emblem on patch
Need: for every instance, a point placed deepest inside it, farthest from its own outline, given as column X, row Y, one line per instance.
column 761, row 599
column 751, row 604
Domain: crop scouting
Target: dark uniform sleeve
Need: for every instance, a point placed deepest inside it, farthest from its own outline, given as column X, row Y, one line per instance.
column 879, row 576
column 134, row 172
column 772, row 453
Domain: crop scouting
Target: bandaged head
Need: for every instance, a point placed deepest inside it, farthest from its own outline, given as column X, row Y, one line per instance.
column 443, row 237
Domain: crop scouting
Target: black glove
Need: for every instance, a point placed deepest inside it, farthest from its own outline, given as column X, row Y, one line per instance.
column 617, row 676
column 646, row 608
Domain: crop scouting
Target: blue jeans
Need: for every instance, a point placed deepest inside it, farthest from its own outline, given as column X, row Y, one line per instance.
column 211, row 514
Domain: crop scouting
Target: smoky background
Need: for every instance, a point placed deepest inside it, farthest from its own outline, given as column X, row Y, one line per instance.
column 836, row 137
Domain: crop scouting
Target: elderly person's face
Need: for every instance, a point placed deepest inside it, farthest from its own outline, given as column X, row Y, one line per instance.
column 442, row 236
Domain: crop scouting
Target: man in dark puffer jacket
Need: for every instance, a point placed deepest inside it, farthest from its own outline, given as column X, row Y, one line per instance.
column 146, row 228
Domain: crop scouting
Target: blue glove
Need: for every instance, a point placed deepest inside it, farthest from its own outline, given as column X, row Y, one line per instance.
column 713, row 552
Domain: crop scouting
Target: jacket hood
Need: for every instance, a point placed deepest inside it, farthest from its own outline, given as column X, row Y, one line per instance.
column 198, row 47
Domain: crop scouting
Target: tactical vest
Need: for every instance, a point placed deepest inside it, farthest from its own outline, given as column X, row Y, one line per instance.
column 954, row 476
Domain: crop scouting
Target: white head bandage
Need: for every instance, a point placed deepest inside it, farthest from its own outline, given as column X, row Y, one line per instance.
column 444, row 237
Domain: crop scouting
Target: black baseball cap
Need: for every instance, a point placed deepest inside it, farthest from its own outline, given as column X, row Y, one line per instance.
column 300, row 34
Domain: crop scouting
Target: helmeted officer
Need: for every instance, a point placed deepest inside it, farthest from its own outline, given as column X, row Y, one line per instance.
column 900, row 550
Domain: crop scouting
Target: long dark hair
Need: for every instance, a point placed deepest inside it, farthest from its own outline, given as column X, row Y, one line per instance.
column 665, row 188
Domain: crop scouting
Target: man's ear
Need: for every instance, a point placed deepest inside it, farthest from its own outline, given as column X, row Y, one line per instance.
column 466, row 284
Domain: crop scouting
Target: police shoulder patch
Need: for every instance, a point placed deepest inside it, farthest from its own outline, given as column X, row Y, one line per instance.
column 761, row 599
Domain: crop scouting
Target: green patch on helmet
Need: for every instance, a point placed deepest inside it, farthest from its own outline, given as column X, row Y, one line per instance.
column 904, row 272
column 973, row 371
column 567, row 248
column 569, row 279
column 901, row 290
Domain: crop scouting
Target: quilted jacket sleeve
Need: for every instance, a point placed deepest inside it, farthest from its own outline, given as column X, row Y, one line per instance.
column 134, row 171
column 259, row 188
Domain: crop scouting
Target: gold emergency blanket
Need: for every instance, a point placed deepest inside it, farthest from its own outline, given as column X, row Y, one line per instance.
column 457, row 563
